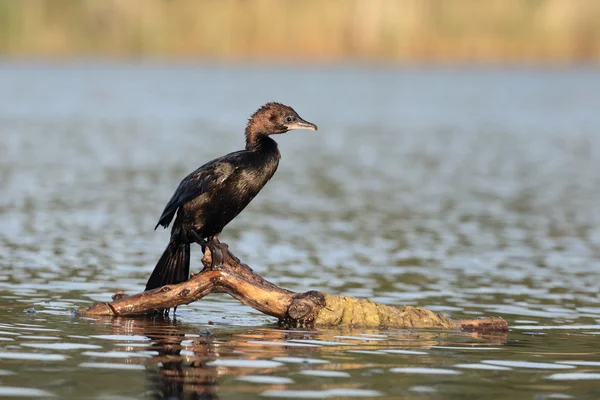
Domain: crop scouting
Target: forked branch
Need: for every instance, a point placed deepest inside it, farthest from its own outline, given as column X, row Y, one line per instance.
column 224, row 273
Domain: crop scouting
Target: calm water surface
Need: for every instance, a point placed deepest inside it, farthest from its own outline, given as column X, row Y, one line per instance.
column 471, row 192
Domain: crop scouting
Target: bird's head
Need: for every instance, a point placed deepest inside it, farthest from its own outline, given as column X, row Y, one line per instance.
column 274, row 118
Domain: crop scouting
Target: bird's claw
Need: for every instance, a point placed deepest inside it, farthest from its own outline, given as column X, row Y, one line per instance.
column 216, row 253
column 216, row 248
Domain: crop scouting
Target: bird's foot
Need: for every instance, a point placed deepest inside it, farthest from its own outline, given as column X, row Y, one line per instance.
column 218, row 250
column 217, row 253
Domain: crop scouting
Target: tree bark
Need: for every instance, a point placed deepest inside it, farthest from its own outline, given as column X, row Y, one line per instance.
column 224, row 273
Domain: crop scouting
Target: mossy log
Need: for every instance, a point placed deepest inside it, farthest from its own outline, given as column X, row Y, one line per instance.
column 224, row 273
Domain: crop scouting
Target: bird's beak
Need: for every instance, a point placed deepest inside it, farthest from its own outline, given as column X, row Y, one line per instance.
column 301, row 124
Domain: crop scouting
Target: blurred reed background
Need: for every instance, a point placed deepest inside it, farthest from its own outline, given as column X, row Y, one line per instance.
column 491, row 31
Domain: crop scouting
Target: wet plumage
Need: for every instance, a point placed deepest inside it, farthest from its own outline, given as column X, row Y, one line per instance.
column 210, row 197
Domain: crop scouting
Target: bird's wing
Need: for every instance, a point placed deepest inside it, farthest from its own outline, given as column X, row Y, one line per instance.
column 205, row 179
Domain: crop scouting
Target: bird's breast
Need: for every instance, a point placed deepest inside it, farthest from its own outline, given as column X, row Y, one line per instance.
column 252, row 180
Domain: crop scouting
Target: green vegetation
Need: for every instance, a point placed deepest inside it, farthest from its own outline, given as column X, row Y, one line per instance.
column 290, row 30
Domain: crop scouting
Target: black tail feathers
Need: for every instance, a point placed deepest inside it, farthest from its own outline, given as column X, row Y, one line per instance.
column 173, row 266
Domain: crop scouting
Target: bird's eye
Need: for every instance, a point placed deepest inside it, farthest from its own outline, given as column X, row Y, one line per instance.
column 289, row 118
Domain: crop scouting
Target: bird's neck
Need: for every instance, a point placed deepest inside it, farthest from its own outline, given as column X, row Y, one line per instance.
column 260, row 143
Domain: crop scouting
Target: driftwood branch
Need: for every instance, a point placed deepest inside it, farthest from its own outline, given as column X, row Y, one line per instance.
column 224, row 273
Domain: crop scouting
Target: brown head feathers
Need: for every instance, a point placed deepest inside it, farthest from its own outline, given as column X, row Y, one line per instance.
column 273, row 118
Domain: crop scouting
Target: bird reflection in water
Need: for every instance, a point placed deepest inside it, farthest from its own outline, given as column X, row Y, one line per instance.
column 179, row 369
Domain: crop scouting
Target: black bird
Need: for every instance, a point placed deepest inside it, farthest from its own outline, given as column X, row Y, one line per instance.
column 210, row 197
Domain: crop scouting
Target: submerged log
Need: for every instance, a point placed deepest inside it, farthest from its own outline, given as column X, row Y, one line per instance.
column 224, row 273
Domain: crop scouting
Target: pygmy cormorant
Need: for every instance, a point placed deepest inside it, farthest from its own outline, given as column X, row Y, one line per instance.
column 210, row 197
